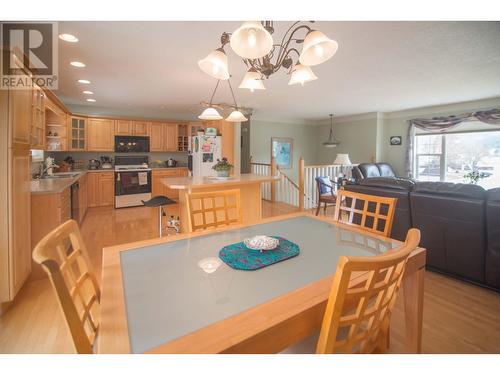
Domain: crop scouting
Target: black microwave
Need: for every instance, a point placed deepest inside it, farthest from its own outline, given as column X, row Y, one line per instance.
column 125, row 143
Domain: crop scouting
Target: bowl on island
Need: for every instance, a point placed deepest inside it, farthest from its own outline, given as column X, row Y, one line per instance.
column 261, row 242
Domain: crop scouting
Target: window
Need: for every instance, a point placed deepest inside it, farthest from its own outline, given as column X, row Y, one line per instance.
column 451, row 157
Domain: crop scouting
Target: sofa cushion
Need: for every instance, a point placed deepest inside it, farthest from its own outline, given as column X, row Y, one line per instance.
column 369, row 170
column 388, row 182
column 385, row 170
column 493, row 237
column 324, row 184
column 450, row 189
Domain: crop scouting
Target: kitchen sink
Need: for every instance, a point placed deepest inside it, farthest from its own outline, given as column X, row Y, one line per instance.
column 61, row 175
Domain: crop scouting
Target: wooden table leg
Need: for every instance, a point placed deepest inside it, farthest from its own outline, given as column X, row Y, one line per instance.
column 413, row 293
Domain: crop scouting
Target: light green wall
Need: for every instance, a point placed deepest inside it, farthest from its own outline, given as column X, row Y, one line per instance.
column 304, row 142
column 358, row 138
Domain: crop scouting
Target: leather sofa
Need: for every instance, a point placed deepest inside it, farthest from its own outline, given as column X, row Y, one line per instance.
column 371, row 170
column 459, row 223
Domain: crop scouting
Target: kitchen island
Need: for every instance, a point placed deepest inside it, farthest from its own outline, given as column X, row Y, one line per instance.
column 248, row 184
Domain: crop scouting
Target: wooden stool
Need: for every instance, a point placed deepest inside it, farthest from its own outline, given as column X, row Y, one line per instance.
column 160, row 201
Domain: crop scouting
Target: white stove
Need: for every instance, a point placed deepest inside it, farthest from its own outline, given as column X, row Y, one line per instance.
column 132, row 181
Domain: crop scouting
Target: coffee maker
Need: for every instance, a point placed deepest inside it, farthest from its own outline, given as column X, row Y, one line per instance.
column 106, row 162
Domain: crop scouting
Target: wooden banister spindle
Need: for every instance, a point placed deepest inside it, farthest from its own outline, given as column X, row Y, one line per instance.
column 274, row 171
column 301, row 183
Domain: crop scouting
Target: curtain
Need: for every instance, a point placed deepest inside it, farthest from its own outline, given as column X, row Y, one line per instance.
column 443, row 124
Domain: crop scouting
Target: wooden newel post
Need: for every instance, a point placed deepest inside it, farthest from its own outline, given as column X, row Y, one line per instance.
column 274, row 172
column 301, row 183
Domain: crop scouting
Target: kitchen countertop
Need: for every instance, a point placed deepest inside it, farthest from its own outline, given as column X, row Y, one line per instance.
column 189, row 183
column 54, row 185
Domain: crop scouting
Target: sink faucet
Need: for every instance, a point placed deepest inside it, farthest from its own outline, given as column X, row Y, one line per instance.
column 44, row 170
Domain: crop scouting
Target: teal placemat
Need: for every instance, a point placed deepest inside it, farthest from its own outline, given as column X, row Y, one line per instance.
column 240, row 257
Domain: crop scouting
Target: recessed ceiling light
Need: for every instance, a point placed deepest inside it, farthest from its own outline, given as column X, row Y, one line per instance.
column 91, row 100
column 85, row 81
column 86, row 92
column 78, row 64
column 68, row 38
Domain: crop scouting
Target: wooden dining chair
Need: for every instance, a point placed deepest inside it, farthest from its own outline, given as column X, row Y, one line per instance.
column 213, row 209
column 369, row 212
column 326, row 192
column 63, row 256
column 362, row 297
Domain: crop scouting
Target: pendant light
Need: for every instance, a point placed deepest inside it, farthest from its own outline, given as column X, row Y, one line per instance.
column 317, row 48
column 331, row 142
column 215, row 64
column 252, row 81
column 211, row 113
column 301, row 74
column 251, row 40
column 236, row 115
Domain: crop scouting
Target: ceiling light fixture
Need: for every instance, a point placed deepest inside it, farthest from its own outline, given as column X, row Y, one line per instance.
column 331, row 141
column 301, row 74
column 86, row 92
column 211, row 113
column 77, row 64
column 253, row 42
column 84, row 81
column 68, row 38
column 90, row 100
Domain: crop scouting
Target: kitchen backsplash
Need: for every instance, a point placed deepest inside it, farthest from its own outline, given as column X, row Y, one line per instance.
column 181, row 157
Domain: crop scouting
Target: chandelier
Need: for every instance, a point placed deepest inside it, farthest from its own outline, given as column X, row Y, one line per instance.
column 331, row 141
column 254, row 43
column 211, row 113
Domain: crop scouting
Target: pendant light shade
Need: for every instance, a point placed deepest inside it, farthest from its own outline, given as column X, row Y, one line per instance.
column 215, row 64
column 251, row 40
column 331, row 141
column 317, row 48
column 236, row 116
column 301, row 74
column 210, row 114
column 252, row 81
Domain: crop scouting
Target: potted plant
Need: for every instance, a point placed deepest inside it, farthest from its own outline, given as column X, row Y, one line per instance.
column 222, row 167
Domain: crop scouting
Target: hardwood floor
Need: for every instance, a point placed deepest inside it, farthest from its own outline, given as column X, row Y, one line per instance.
column 458, row 317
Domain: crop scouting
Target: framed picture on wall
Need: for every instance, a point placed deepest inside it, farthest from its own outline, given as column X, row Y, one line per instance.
column 395, row 140
column 282, row 150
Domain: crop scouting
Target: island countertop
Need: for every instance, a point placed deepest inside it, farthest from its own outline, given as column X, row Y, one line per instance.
column 190, row 183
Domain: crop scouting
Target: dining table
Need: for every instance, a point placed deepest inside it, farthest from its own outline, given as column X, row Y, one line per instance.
column 175, row 294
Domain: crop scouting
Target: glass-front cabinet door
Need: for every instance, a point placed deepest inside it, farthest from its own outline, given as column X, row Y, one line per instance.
column 77, row 129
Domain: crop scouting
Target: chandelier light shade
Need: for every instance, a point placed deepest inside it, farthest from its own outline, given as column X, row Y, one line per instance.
column 210, row 113
column 301, row 74
column 251, row 40
column 317, row 48
column 236, row 116
column 215, row 64
column 342, row 159
column 331, row 141
column 252, row 81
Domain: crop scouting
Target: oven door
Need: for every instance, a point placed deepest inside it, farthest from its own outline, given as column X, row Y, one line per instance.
column 132, row 182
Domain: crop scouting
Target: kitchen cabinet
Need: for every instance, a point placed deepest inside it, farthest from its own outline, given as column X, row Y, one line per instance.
column 82, row 198
column 15, row 191
column 163, row 137
column 48, row 211
column 56, row 127
column 158, row 188
column 100, row 134
column 123, row 127
column 141, row 128
column 100, row 189
column 77, row 127
column 37, row 118
column 182, row 137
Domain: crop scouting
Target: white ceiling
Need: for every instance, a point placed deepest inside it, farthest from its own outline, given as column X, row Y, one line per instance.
column 138, row 67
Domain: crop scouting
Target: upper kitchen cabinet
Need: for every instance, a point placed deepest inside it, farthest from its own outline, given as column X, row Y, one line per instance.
column 20, row 113
column 100, row 134
column 77, row 128
column 38, row 118
column 157, row 138
column 141, row 128
column 171, row 134
column 123, row 127
column 56, row 127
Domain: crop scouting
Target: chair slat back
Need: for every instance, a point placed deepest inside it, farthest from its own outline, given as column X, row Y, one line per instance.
column 370, row 212
column 214, row 209
column 63, row 256
column 361, row 299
